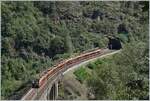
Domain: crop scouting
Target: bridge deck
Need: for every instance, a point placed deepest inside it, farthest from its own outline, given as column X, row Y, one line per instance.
column 36, row 93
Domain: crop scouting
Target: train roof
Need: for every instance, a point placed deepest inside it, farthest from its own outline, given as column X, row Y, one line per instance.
column 45, row 73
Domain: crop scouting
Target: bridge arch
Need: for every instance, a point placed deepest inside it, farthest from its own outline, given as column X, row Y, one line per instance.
column 53, row 92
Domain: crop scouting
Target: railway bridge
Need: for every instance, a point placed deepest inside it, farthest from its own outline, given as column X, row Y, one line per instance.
column 49, row 82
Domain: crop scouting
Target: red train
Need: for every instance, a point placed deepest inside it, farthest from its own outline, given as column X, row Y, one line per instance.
column 64, row 65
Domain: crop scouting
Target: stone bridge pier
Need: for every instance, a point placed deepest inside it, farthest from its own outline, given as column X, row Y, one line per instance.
column 51, row 91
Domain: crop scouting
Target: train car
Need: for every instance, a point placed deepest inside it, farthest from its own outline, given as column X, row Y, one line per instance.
column 43, row 77
column 49, row 72
column 93, row 54
column 42, row 80
column 69, row 62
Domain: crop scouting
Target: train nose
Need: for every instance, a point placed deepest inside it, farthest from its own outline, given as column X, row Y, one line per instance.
column 35, row 83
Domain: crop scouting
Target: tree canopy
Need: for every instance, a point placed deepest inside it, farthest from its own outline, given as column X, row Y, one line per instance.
column 36, row 33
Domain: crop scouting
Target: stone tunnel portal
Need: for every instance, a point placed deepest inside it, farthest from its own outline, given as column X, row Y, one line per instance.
column 114, row 43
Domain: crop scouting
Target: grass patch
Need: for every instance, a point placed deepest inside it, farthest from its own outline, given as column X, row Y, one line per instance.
column 93, row 65
column 81, row 74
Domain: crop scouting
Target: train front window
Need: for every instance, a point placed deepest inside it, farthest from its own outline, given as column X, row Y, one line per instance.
column 35, row 83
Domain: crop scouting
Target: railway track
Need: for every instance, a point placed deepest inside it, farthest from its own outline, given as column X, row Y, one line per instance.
column 62, row 68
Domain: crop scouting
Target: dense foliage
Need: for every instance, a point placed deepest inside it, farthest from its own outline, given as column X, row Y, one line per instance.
column 35, row 34
column 123, row 76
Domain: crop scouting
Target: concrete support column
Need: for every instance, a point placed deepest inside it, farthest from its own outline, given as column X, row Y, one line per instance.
column 56, row 90
column 53, row 92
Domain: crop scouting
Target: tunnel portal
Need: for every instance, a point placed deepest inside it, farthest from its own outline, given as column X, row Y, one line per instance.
column 114, row 43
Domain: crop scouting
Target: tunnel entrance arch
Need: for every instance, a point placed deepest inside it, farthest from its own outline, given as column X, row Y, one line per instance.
column 114, row 43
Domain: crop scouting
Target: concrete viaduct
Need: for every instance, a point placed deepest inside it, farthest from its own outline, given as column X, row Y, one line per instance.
column 49, row 90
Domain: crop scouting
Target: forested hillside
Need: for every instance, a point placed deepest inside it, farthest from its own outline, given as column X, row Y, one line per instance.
column 35, row 35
